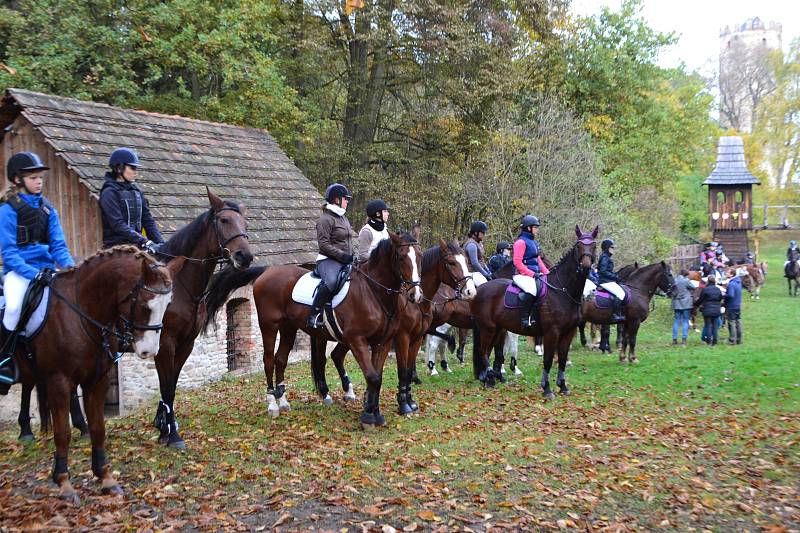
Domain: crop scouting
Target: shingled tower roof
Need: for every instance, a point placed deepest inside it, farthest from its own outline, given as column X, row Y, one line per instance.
column 731, row 167
column 180, row 158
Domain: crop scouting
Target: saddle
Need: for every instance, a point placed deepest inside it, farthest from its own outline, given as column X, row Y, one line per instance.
column 603, row 299
column 511, row 296
column 35, row 305
column 306, row 286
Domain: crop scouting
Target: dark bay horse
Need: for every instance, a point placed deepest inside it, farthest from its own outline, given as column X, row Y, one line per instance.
column 112, row 302
column 219, row 235
column 368, row 317
column 604, row 344
column 443, row 265
column 558, row 314
column 792, row 273
column 643, row 283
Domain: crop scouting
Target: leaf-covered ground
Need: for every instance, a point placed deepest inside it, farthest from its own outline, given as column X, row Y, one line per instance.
column 693, row 438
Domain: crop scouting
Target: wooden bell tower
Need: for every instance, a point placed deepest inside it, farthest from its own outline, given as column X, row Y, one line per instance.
column 730, row 198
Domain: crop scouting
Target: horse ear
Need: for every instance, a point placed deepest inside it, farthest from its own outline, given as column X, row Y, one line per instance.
column 215, row 201
column 635, row 265
column 442, row 244
column 578, row 231
column 175, row 266
column 595, row 232
column 149, row 275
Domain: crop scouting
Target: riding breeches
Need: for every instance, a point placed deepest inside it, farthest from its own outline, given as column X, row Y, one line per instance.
column 14, row 289
column 526, row 283
column 328, row 270
column 478, row 278
column 614, row 288
column 588, row 288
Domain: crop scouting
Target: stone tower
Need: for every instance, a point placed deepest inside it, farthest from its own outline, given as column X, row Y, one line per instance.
column 745, row 76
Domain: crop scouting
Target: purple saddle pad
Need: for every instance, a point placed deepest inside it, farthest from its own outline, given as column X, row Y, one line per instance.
column 511, row 296
column 602, row 299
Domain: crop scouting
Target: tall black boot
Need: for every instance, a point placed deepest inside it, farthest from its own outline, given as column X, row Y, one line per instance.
column 8, row 369
column 616, row 310
column 526, row 309
column 321, row 298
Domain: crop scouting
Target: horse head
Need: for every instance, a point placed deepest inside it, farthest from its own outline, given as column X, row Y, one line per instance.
column 586, row 246
column 408, row 261
column 455, row 272
column 666, row 281
column 229, row 237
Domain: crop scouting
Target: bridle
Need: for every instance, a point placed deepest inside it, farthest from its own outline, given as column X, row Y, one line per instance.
column 410, row 284
column 129, row 323
column 586, row 240
column 224, row 252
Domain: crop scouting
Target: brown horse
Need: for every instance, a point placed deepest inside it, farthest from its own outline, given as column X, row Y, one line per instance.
column 558, row 313
column 643, row 284
column 443, row 265
column 216, row 236
column 367, row 317
column 112, row 302
column 792, row 273
column 603, row 344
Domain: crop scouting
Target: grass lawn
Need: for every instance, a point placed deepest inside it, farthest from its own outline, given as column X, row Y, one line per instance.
column 693, row 438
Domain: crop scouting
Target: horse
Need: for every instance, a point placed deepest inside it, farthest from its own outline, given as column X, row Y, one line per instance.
column 217, row 236
column 643, row 284
column 112, row 302
column 792, row 273
column 604, row 331
column 24, row 418
column 558, row 313
column 367, row 317
column 442, row 265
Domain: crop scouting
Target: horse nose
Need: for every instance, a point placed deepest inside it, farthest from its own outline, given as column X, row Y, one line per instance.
column 243, row 258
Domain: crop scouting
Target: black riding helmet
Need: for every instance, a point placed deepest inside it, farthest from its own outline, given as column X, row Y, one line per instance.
column 23, row 162
column 374, row 207
column 123, row 156
column 336, row 190
column 502, row 245
column 529, row 220
column 477, row 227
column 606, row 244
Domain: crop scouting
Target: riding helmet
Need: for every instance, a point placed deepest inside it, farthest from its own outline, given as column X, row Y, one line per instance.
column 336, row 190
column 792, row 243
column 606, row 244
column 23, row 162
column 718, row 252
column 477, row 227
column 376, row 206
column 502, row 245
column 123, row 156
column 529, row 220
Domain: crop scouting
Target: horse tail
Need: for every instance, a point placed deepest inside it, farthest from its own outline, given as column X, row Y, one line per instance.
column 222, row 284
column 478, row 361
column 44, row 407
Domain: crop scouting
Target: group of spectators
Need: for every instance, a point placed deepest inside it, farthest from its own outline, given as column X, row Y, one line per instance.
column 713, row 303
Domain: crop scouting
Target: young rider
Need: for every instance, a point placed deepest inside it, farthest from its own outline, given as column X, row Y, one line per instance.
column 609, row 279
column 529, row 265
column 501, row 257
column 31, row 240
column 375, row 230
column 475, row 254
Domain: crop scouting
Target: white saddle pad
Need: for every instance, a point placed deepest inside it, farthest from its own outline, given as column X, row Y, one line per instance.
column 303, row 291
column 37, row 318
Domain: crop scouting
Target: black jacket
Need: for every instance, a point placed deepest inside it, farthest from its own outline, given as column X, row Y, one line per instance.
column 605, row 269
column 125, row 213
column 711, row 300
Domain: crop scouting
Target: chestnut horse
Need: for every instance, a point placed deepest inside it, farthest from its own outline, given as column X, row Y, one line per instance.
column 112, row 302
column 558, row 314
column 216, row 236
column 367, row 317
column 643, row 284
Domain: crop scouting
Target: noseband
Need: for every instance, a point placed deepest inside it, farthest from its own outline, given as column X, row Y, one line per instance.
column 129, row 323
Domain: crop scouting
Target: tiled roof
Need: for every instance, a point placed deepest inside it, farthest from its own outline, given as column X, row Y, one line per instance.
column 180, row 157
column 731, row 167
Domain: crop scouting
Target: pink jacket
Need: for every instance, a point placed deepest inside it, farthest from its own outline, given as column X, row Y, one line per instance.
column 519, row 252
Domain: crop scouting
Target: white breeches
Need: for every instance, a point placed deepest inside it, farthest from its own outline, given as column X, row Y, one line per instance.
column 436, row 344
column 478, row 278
column 614, row 288
column 526, row 283
column 14, row 289
column 588, row 288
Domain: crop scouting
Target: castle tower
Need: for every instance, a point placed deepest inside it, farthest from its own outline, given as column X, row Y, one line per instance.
column 745, row 77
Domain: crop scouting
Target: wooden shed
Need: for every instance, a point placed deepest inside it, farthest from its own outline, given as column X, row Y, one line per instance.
column 730, row 197
column 180, row 157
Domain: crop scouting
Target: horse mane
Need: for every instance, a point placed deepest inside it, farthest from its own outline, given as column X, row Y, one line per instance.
column 432, row 255
column 119, row 250
column 567, row 255
column 184, row 240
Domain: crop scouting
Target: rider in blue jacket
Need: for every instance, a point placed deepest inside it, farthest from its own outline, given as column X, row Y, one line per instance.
column 31, row 240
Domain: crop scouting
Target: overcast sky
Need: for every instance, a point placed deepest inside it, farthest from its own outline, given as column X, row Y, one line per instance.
column 697, row 23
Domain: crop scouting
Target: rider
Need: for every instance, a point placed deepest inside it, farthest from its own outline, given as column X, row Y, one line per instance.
column 335, row 248
column 609, row 279
column 124, row 209
column 475, row 254
column 529, row 265
column 793, row 250
column 501, row 257
column 721, row 257
column 749, row 259
column 374, row 231
column 31, row 240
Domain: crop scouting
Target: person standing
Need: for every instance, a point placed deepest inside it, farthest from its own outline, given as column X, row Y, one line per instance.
column 682, row 301
column 711, row 302
column 733, row 307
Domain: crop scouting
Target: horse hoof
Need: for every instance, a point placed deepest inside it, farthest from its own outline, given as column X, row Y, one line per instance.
column 367, row 420
column 548, row 396
column 27, row 439
column 633, row 361
column 327, row 400
column 565, row 392
column 518, row 372
column 380, row 420
column 70, row 497
column 350, row 395
column 273, row 412
column 404, row 409
column 177, row 444
column 114, row 490
column 413, row 405
column 283, row 404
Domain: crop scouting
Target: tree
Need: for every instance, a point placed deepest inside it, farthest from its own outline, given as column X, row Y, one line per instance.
column 746, row 78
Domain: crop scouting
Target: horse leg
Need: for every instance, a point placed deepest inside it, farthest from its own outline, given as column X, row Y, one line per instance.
column 412, row 356
column 338, row 355
column 499, row 357
column 379, row 355
column 563, row 353
column 58, row 390
column 78, row 421
column 288, row 336
column 268, row 335
column 371, row 399
column 631, row 331
column 481, row 344
column 581, row 329
column 95, row 404
column 431, row 348
column 24, row 418
column 402, row 349
column 622, row 342
column 512, row 341
column 550, row 345
column 169, row 429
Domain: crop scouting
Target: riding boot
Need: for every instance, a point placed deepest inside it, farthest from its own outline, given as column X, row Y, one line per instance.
column 526, row 309
column 8, row 369
column 321, row 298
column 616, row 310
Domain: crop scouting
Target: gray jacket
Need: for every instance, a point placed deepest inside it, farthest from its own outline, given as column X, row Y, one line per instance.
column 682, row 294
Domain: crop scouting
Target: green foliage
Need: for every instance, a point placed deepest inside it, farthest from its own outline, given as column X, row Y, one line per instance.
column 693, row 201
